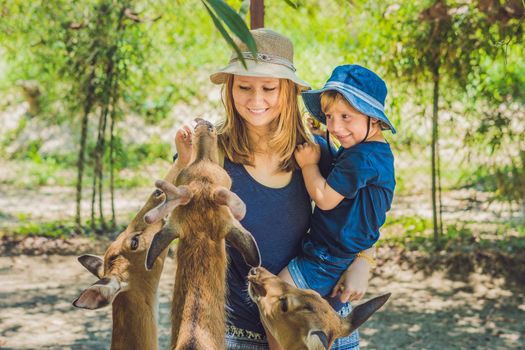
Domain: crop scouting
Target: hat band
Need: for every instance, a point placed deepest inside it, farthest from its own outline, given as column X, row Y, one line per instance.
column 355, row 91
column 266, row 58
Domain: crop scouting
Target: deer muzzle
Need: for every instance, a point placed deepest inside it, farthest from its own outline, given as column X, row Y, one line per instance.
column 202, row 125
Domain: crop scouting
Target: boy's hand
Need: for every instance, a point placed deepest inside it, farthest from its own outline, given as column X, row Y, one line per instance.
column 183, row 139
column 354, row 282
column 306, row 154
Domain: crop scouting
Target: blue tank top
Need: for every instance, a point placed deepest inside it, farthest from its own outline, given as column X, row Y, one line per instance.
column 278, row 218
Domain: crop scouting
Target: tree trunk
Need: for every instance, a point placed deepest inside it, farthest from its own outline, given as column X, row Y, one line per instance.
column 88, row 104
column 440, row 201
column 94, row 187
column 101, row 140
column 112, row 168
column 435, row 110
column 257, row 14
column 100, row 166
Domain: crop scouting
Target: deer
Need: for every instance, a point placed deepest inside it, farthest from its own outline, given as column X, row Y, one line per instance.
column 203, row 214
column 125, row 283
column 300, row 319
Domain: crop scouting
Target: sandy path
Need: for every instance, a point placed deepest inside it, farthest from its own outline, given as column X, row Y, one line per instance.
column 423, row 313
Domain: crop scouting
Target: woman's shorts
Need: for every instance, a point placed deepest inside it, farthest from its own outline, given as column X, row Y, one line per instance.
column 242, row 339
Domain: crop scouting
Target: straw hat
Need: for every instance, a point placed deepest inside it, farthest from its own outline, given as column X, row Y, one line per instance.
column 274, row 59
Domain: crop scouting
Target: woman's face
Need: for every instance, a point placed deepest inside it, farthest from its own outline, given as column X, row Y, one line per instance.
column 256, row 99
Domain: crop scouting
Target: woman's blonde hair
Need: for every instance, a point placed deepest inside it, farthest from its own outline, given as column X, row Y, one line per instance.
column 288, row 129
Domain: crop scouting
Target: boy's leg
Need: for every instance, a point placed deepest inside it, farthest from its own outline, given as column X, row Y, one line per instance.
column 285, row 276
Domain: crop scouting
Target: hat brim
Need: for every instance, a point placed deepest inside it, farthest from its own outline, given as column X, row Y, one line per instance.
column 312, row 101
column 258, row 69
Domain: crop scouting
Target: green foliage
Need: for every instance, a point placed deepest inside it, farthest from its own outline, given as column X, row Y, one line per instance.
column 54, row 229
column 415, row 233
column 505, row 182
column 165, row 56
column 47, row 171
column 234, row 22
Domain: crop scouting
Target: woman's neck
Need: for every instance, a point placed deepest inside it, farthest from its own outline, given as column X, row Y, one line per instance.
column 259, row 139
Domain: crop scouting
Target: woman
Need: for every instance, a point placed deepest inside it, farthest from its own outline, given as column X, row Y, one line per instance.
column 262, row 128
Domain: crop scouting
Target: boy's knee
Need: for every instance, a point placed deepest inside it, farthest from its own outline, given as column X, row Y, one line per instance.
column 285, row 276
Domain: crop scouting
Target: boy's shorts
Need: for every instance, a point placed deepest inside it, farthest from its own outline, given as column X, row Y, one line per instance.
column 318, row 270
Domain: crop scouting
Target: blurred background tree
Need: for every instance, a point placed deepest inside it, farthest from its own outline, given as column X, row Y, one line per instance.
column 441, row 46
column 101, row 86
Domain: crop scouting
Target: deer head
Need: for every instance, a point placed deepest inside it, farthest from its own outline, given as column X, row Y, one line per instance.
column 200, row 204
column 301, row 318
column 122, row 267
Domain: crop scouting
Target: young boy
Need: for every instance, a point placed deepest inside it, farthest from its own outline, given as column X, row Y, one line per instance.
column 351, row 203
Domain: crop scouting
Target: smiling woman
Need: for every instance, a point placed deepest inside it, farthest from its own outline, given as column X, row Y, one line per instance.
column 258, row 136
column 261, row 112
column 257, row 101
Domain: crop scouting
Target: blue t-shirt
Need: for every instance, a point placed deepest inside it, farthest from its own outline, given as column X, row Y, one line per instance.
column 278, row 218
column 364, row 175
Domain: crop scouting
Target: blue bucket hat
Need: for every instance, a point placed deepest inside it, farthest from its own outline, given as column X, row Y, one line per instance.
column 362, row 88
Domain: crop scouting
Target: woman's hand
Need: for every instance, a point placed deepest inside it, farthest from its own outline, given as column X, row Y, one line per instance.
column 183, row 139
column 354, row 282
column 307, row 154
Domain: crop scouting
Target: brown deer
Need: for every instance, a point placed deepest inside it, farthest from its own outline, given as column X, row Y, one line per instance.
column 125, row 283
column 204, row 213
column 301, row 319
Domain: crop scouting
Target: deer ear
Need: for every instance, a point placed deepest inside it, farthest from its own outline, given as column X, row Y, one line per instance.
column 93, row 263
column 243, row 241
column 224, row 196
column 100, row 294
column 175, row 196
column 362, row 312
column 317, row 340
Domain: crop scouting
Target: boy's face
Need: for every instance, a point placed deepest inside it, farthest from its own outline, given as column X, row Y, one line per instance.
column 346, row 123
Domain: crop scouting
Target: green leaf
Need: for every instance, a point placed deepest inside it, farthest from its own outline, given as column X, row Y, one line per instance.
column 225, row 34
column 234, row 22
column 292, row 4
column 243, row 10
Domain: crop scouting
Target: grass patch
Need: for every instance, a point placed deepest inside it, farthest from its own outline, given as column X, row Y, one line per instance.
column 52, row 229
column 416, row 233
column 30, row 174
column 57, row 229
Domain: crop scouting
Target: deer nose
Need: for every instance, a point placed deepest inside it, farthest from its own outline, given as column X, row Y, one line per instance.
column 253, row 271
column 200, row 121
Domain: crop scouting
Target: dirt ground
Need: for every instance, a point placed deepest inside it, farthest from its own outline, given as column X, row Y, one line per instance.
column 424, row 312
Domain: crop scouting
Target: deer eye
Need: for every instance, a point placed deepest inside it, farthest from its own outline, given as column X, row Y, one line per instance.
column 283, row 303
column 135, row 242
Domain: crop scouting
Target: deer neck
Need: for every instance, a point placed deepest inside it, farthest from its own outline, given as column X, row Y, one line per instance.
column 198, row 299
column 134, row 320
